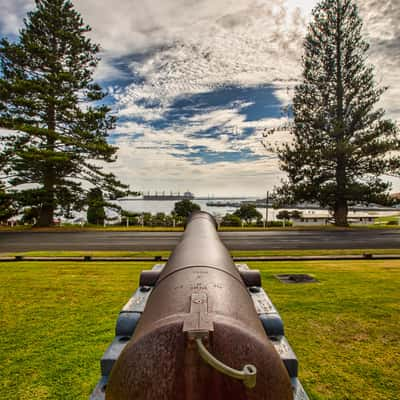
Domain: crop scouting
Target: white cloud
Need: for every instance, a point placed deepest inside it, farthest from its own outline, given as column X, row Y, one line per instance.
column 382, row 29
column 137, row 26
column 162, row 171
column 248, row 43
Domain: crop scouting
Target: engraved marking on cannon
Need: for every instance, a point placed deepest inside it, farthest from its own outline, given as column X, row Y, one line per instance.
column 198, row 286
column 178, row 287
column 217, row 286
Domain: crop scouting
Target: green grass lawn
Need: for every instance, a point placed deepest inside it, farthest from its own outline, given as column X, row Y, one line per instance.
column 388, row 218
column 56, row 320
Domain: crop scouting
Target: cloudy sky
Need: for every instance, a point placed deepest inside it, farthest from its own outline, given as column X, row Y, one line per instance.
column 195, row 82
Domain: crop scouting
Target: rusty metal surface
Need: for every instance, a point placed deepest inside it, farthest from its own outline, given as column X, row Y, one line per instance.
column 199, row 291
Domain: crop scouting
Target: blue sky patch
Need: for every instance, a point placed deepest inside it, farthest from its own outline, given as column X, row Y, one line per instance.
column 203, row 155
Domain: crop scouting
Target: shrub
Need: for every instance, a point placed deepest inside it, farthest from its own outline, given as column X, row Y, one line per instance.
column 231, row 220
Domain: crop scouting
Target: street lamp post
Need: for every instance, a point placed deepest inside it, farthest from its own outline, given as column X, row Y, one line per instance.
column 266, row 210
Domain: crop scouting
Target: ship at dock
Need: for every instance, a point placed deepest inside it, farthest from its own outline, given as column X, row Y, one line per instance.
column 170, row 196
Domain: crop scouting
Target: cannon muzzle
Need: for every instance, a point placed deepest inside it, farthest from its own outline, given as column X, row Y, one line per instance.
column 200, row 336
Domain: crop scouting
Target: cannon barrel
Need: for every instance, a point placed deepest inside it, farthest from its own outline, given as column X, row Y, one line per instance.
column 199, row 336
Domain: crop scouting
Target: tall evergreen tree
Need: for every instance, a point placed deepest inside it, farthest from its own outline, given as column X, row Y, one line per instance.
column 341, row 142
column 46, row 88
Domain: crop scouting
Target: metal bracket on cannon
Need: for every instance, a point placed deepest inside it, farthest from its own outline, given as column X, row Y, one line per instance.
column 130, row 314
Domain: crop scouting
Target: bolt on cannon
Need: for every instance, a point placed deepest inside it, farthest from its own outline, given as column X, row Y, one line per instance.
column 199, row 327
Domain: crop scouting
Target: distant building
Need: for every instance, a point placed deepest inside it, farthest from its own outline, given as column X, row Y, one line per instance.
column 395, row 196
column 314, row 219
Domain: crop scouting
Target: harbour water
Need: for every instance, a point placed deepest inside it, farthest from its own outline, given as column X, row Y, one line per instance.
column 166, row 206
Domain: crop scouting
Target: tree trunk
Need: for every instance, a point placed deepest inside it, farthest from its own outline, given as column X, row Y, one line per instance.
column 46, row 213
column 341, row 207
column 340, row 213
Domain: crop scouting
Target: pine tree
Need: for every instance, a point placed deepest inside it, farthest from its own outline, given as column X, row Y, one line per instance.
column 341, row 142
column 46, row 92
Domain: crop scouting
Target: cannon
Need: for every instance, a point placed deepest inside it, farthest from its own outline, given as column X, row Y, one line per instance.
column 199, row 327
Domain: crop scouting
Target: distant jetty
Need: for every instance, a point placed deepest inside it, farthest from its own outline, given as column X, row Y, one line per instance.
column 224, row 204
column 171, row 196
column 260, row 203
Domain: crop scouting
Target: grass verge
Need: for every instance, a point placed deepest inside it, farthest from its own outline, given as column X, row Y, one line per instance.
column 56, row 320
column 234, row 253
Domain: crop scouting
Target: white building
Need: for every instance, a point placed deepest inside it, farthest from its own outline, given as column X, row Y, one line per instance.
column 315, row 218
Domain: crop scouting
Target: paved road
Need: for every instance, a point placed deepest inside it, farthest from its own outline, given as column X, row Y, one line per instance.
column 273, row 240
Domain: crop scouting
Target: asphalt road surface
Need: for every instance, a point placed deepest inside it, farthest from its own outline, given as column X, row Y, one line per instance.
column 269, row 240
